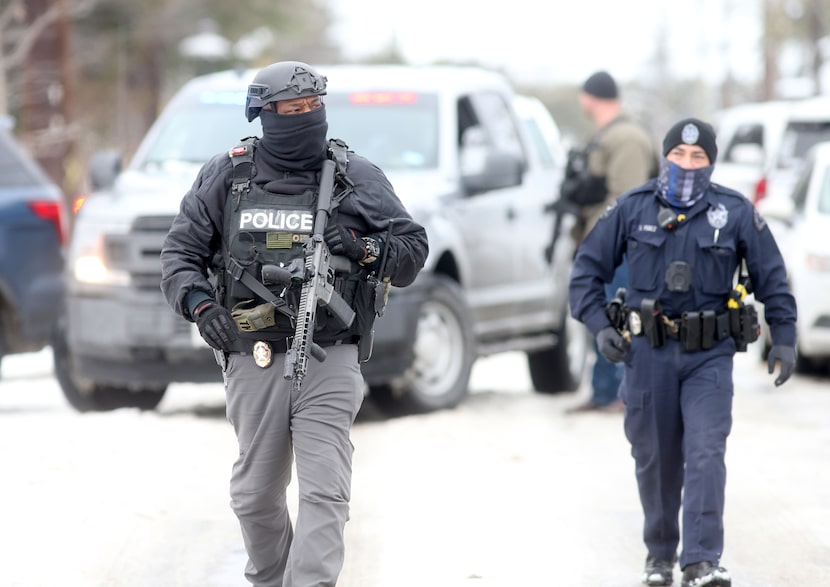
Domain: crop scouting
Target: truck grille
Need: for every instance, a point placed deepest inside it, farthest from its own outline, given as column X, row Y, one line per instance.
column 138, row 251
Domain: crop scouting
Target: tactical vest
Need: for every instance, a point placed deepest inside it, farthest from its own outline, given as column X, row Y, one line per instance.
column 262, row 231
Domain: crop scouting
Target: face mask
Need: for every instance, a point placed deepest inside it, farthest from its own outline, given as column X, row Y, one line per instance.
column 682, row 188
column 295, row 142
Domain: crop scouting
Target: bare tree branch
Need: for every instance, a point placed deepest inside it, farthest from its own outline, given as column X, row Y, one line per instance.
column 13, row 11
column 40, row 24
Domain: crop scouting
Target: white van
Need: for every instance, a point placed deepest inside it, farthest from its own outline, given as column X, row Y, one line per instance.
column 761, row 145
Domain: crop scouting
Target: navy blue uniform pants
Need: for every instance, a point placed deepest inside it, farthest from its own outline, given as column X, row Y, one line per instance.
column 678, row 414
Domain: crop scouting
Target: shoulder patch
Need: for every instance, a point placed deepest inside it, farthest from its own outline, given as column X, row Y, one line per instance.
column 609, row 210
column 760, row 223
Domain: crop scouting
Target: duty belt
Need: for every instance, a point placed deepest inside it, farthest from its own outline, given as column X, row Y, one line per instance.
column 245, row 346
column 695, row 330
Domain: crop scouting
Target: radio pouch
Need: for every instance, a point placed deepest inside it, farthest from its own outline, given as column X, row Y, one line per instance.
column 651, row 315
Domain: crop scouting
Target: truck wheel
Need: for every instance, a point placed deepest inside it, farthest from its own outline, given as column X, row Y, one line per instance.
column 88, row 396
column 443, row 355
column 561, row 367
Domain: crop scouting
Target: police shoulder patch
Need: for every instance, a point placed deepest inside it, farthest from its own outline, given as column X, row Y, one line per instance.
column 608, row 210
column 760, row 223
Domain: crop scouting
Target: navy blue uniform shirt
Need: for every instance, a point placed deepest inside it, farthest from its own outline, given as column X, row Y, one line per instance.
column 629, row 227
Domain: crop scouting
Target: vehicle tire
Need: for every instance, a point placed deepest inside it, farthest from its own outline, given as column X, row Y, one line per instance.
column 443, row 355
column 562, row 367
column 809, row 365
column 88, row 396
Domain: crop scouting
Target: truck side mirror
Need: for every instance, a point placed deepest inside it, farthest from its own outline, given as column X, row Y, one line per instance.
column 104, row 167
column 484, row 167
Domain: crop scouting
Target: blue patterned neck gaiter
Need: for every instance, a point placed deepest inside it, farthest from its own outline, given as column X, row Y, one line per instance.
column 682, row 188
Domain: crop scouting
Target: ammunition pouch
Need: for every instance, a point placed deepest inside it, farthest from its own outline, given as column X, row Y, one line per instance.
column 700, row 330
column 250, row 317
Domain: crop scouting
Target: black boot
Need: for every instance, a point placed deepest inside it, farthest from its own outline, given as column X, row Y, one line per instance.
column 705, row 574
column 658, row 572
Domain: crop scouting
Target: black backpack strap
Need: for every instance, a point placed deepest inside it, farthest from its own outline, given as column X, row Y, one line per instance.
column 338, row 151
column 242, row 157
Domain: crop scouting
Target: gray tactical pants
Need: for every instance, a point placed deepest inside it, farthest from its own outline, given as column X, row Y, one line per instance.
column 274, row 426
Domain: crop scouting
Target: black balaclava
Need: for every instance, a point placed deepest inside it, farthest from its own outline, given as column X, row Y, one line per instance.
column 294, row 142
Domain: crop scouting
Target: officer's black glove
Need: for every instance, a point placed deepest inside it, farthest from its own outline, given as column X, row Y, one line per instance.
column 216, row 325
column 611, row 344
column 343, row 241
column 786, row 356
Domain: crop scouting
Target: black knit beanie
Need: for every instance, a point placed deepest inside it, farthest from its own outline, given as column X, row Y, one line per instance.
column 692, row 131
column 601, row 85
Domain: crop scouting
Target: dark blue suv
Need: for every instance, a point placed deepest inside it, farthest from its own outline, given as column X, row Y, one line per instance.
column 31, row 250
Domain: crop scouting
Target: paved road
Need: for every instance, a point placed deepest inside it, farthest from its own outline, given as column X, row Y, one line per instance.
column 504, row 491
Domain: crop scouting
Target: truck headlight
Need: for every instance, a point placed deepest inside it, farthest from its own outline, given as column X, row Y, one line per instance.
column 89, row 265
column 93, row 270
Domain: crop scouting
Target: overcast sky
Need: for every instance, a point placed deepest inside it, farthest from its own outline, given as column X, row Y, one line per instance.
column 564, row 42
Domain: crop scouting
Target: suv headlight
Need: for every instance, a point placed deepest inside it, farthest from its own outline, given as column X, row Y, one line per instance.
column 90, row 264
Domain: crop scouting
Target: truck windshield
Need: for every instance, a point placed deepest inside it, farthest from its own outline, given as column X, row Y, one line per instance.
column 196, row 132
column 394, row 130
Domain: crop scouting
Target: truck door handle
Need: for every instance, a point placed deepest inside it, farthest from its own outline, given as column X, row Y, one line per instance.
column 511, row 213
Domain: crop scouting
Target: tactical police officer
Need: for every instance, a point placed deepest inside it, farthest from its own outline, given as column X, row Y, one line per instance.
column 684, row 239
column 233, row 262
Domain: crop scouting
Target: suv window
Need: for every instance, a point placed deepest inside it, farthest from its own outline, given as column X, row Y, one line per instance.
column 745, row 134
column 798, row 138
column 540, row 142
column 500, row 125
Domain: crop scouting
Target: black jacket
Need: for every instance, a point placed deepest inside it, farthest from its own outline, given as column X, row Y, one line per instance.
column 195, row 237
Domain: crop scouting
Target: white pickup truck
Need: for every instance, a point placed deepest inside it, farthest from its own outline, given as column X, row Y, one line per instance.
column 477, row 165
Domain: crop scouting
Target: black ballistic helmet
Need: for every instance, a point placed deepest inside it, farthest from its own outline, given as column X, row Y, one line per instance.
column 284, row 80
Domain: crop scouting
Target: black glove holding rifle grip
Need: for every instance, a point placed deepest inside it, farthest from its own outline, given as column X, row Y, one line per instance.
column 343, row 241
column 216, row 325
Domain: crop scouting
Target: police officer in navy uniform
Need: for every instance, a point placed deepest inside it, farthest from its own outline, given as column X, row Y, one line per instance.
column 240, row 223
column 684, row 239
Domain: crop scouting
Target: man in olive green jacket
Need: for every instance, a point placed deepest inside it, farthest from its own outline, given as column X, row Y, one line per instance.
column 624, row 155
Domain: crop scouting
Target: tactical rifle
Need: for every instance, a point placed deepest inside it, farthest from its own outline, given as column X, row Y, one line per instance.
column 318, row 286
column 561, row 208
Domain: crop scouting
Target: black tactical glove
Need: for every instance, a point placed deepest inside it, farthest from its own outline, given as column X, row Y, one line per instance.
column 611, row 344
column 786, row 356
column 343, row 241
column 216, row 325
